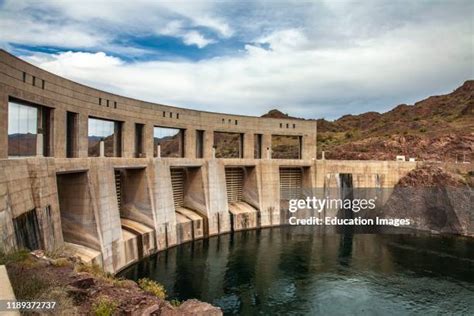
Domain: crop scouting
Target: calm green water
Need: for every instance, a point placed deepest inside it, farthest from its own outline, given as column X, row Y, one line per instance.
column 298, row 271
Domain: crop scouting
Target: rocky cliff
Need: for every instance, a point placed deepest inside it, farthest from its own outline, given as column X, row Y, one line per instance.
column 435, row 200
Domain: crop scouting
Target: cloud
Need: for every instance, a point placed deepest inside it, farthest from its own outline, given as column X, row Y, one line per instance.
column 310, row 59
column 195, row 38
column 99, row 24
column 177, row 28
column 311, row 82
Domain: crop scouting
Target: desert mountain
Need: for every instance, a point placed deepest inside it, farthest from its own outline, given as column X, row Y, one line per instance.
column 439, row 128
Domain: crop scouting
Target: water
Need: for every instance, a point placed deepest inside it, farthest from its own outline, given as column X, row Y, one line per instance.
column 299, row 271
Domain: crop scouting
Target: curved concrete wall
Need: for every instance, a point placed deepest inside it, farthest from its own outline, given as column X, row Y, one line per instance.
column 77, row 200
column 17, row 78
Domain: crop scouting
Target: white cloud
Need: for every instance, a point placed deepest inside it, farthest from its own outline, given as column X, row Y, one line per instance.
column 312, row 59
column 177, row 28
column 195, row 38
column 286, row 40
column 216, row 24
column 95, row 23
column 311, row 82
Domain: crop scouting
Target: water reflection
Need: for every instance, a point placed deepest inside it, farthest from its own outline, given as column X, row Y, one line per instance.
column 300, row 271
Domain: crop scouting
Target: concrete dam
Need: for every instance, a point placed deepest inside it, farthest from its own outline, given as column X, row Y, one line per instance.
column 117, row 179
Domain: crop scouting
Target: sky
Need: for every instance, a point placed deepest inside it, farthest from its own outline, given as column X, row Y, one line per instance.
column 311, row 59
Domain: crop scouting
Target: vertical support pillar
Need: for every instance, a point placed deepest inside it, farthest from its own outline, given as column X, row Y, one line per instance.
column 248, row 146
column 59, row 137
column 190, row 143
column 3, row 123
column 39, row 145
column 128, row 139
column 208, row 143
column 83, row 141
column 148, row 144
column 266, row 146
column 158, row 151
column 308, row 150
column 102, row 148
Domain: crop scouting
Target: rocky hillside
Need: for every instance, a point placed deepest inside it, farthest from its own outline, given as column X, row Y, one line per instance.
column 434, row 199
column 82, row 289
column 439, row 128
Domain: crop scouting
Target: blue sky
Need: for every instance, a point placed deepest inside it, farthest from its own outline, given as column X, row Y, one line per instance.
column 307, row 58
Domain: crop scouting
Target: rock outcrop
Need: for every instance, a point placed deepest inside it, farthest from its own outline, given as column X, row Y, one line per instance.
column 434, row 200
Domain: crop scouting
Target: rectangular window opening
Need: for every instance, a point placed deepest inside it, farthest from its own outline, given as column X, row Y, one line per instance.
column 286, row 147
column 170, row 140
column 228, row 145
column 26, row 121
column 110, row 132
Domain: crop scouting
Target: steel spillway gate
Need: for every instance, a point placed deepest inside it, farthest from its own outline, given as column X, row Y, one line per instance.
column 234, row 179
column 177, row 184
column 291, row 183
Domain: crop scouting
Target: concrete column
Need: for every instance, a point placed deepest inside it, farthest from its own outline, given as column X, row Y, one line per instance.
column 107, row 214
column 165, row 216
column 128, row 139
column 3, row 123
column 308, row 150
column 39, row 145
column 270, row 193
column 216, row 196
column 82, row 130
column 248, row 145
column 59, row 130
column 266, row 144
column 190, row 143
column 208, row 143
column 148, row 140
column 158, row 151
column 101, row 149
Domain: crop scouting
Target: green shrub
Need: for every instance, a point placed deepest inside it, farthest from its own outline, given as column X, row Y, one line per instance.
column 27, row 288
column 423, row 130
column 175, row 302
column 103, row 306
column 64, row 303
column 17, row 256
column 93, row 269
column 61, row 262
column 152, row 287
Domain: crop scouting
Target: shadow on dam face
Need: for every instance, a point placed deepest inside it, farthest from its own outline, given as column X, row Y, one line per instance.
column 27, row 230
column 347, row 193
column 136, row 216
column 77, row 216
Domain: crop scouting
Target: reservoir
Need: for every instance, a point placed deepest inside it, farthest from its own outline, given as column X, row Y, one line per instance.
column 302, row 271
